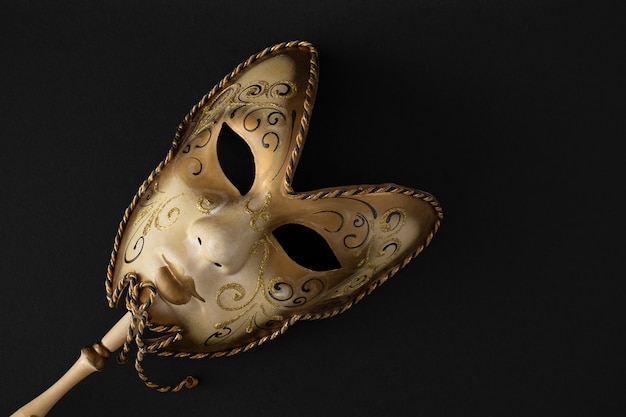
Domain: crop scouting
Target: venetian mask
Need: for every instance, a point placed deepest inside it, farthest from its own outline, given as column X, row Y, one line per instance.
column 215, row 264
column 234, row 262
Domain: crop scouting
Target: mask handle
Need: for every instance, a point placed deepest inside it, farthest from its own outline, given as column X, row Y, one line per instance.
column 92, row 358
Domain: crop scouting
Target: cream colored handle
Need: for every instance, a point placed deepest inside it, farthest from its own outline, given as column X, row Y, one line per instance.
column 91, row 359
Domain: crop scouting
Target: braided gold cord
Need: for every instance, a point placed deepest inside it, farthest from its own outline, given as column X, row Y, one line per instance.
column 139, row 323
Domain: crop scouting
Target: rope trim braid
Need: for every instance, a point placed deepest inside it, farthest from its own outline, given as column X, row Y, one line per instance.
column 234, row 351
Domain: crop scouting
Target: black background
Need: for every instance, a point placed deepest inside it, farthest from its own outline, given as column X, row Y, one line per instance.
column 509, row 112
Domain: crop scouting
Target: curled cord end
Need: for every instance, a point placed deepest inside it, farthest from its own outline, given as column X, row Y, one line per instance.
column 140, row 314
column 121, row 358
column 191, row 381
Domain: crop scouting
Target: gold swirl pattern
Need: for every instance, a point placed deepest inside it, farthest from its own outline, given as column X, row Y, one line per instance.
column 238, row 293
column 262, row 213
column 154, row 213
column 373, row 257
column 204, row 205
column 210, row 113
column 393, row 220
column 255, row 94
column 281, row 293
column 277, row 293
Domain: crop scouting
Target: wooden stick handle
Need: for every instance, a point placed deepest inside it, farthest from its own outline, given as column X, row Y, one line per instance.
column 92, row 358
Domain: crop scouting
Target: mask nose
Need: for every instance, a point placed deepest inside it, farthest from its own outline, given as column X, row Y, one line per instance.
column 225, row 244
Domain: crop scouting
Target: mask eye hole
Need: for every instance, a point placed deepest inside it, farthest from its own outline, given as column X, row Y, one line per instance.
column 306, row 247
column 236, row 159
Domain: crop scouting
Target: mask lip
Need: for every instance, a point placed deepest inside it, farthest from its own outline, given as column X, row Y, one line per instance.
column 113, row 292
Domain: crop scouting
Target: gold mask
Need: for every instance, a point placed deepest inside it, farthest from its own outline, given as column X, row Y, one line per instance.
column 217, row 265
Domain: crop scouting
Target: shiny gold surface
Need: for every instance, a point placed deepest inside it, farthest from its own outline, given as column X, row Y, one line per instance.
column 209, row 253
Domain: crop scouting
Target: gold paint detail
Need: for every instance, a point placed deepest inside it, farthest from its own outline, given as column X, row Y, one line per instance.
column 357, row 282
column 256, row 89
column 273, row 287
column 262, row 213
column 209, row 113
column 239, row 290
column 283, row 292
column 276, row 317
column 393, row 220
column 203, row 124
column 204, row 205
column 156, row 188
column 283, row 89
column 154, row 215
column 238, row 293
column 371, row 257
column 225, row 323
column 255, row 94
column 250, row 326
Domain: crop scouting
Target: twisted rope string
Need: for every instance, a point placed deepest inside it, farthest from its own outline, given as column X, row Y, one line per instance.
column 140, row 322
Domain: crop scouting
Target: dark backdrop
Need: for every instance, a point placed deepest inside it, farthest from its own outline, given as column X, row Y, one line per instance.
column 509, row 112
